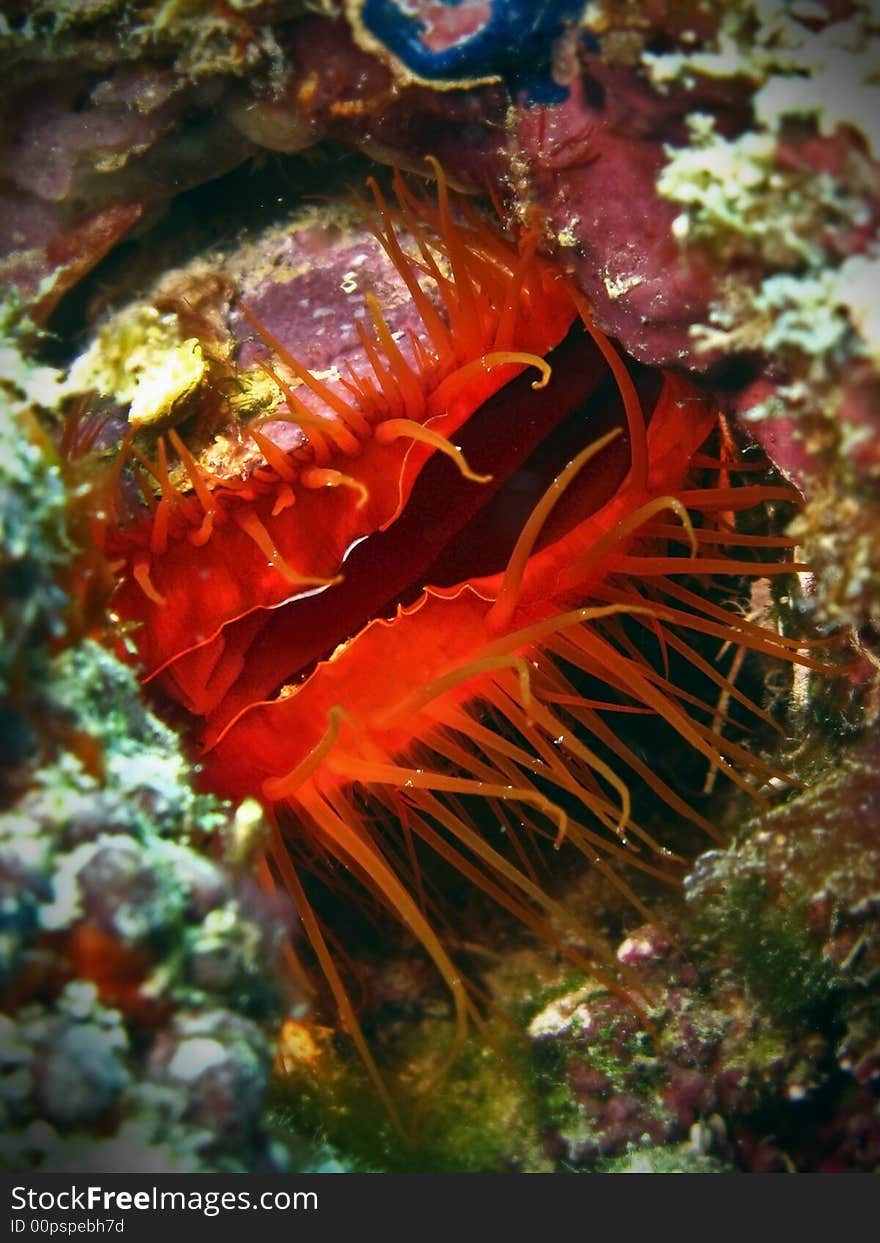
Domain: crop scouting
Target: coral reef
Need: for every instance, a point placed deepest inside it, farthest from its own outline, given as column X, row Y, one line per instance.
column 35, row 550
column 766, row 1013
column 136, row 977
column 787, row 208
column 711, row 180
column 708, row 175
column 763, row 1054
column 717, row 182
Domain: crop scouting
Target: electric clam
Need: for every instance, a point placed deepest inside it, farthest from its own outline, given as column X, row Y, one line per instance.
column 393, row 622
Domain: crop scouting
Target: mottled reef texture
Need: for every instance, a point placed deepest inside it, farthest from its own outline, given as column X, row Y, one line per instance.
column 711, row 175
column 136, row 957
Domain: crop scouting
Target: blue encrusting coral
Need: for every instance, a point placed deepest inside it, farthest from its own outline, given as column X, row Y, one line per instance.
column 456, row 40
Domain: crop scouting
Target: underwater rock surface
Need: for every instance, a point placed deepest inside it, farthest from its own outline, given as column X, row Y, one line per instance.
column 767, row 1009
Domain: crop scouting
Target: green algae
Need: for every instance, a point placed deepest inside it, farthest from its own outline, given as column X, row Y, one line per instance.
column 775, row 954
column 34, row 542
column 478, row 1113
column 672, row 1160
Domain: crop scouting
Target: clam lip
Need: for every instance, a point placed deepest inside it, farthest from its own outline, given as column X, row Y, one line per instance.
column 451, row 529
column 373, row 419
